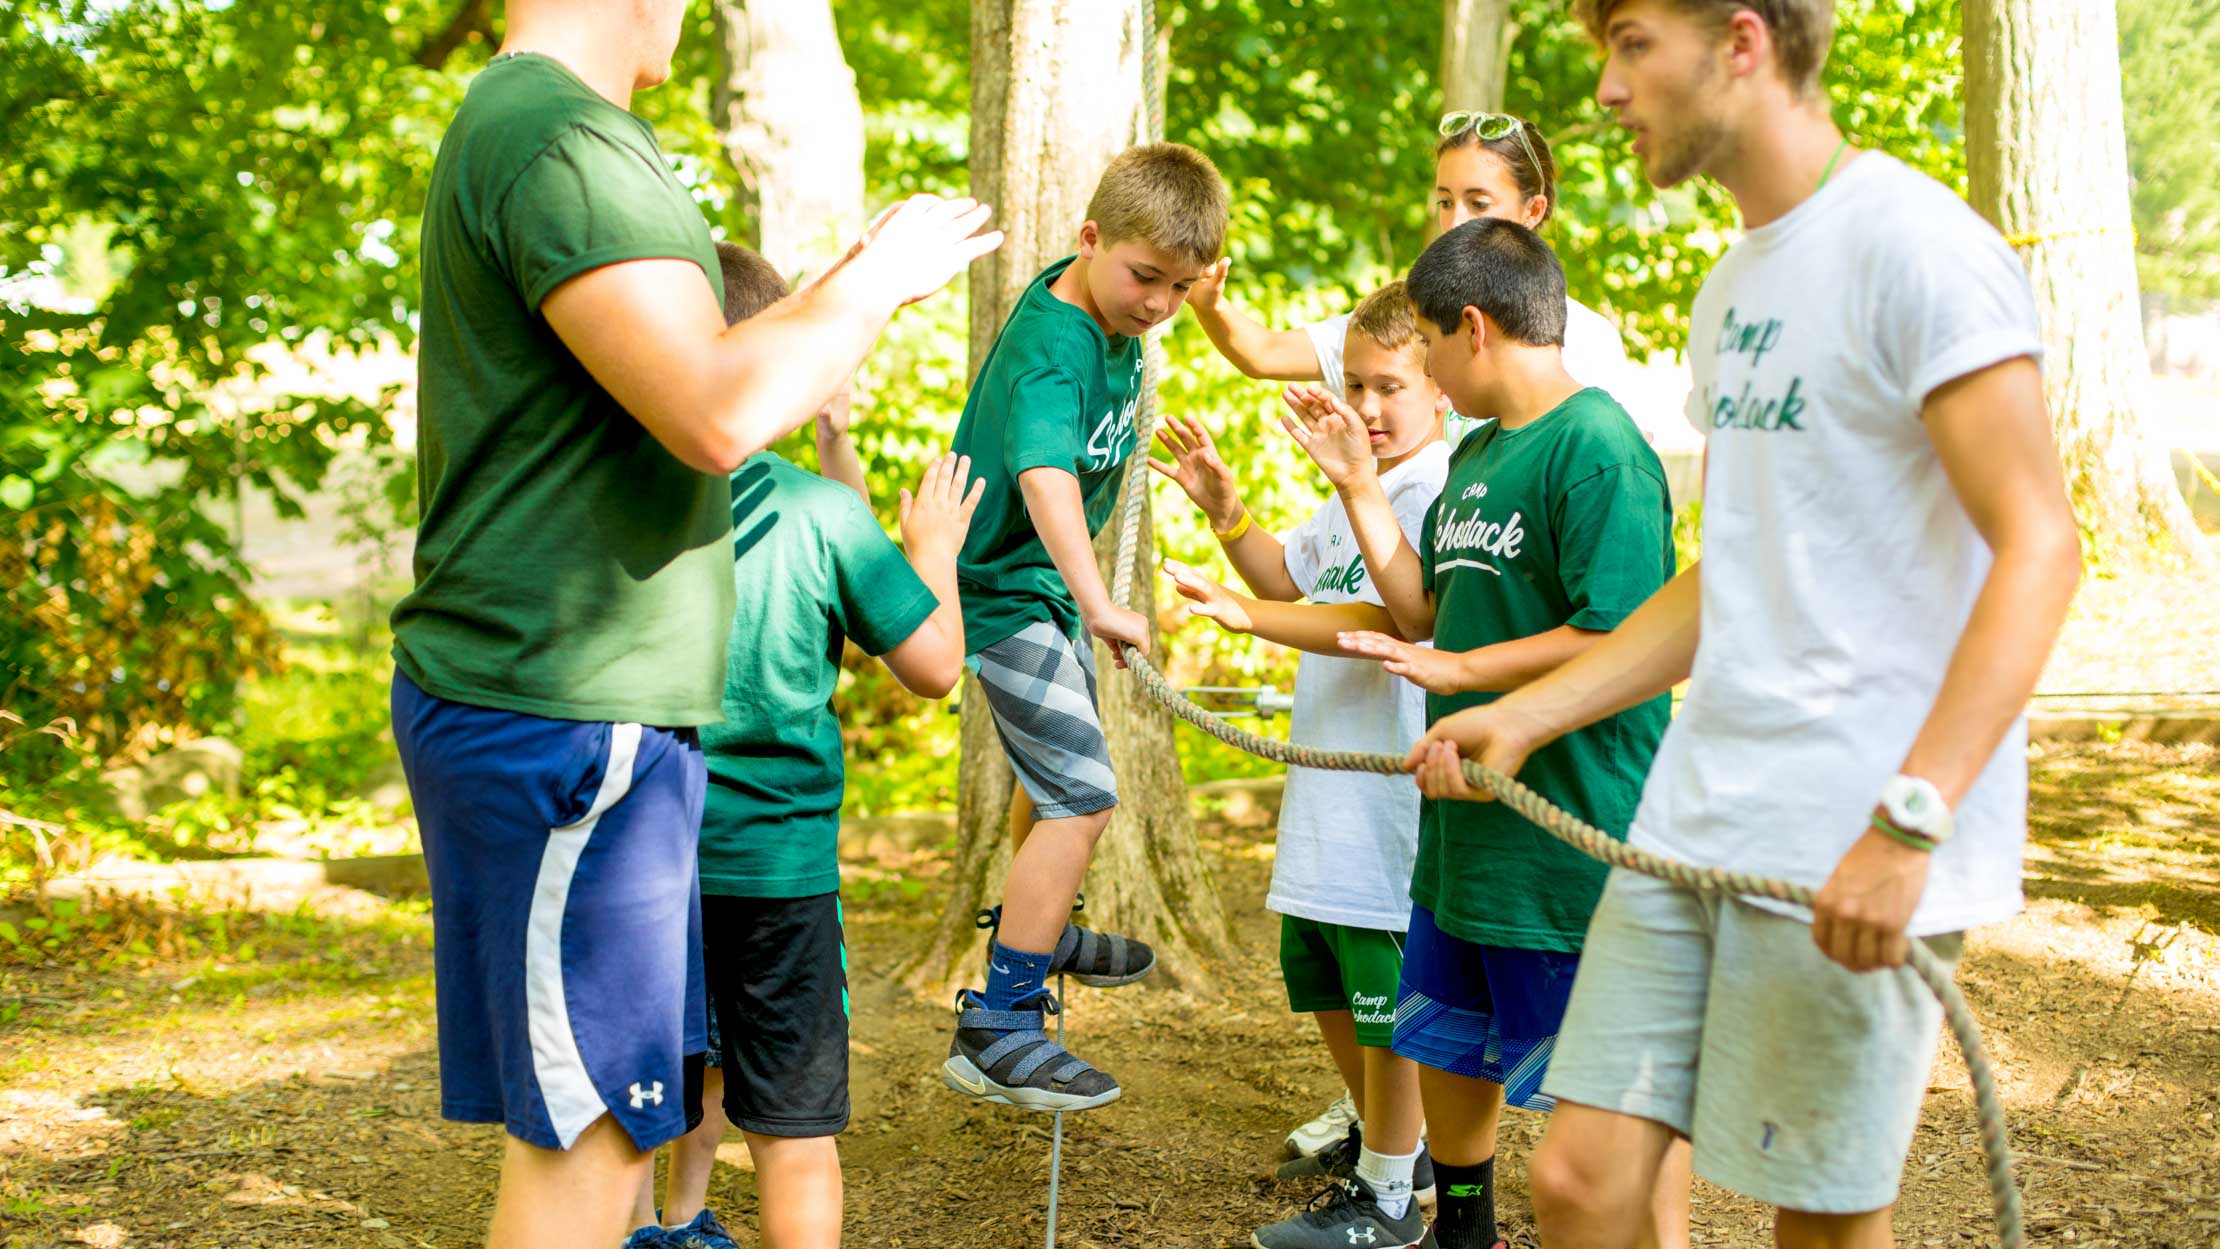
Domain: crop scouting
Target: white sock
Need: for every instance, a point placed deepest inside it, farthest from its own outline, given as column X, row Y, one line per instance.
column 1389, row 1176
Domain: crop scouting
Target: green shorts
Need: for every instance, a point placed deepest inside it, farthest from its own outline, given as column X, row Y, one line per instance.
column 1337, row 967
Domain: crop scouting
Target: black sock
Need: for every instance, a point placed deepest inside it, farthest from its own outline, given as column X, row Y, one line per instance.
column 1464, row 1211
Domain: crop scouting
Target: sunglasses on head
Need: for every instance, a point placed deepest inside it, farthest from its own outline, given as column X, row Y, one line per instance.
column 1490, row 126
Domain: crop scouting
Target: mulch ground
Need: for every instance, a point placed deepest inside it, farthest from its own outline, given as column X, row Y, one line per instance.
column 288, row 1095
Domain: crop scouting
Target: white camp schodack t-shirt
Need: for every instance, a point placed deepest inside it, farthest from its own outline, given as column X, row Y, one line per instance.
column 1348, row 840
column 1839, row 567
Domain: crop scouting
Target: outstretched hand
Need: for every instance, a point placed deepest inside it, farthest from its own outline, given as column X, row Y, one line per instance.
column 1197, row 469
column 1435, row 671
column 919, row 245
column 1208, row 599
column 1329, row 432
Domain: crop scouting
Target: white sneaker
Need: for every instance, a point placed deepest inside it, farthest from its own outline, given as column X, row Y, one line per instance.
column 1332, row 1124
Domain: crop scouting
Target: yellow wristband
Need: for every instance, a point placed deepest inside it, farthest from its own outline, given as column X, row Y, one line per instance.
column 1234, row 534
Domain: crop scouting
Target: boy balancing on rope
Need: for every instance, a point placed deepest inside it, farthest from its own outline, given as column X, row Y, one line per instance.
column 1342, row 875
column 1553, row 525
column 811, row 571
column 1049, row 427
column 1890, row 554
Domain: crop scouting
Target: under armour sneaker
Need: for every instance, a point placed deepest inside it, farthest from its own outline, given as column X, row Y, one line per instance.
column 1346, row 1215
column 1331, row 1125
column 1099, row 960
column 704, row 1232
column 1006, row 1056
column 1338, row 1161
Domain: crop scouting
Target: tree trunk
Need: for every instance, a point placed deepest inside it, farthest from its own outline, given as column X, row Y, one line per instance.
column 1055, row 93
column 1475, row 53
column 786, row 105
column 2047, row 159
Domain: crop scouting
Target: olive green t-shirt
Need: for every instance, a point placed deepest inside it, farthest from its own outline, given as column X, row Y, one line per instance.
column 811, row 567
column 1055, row 392
column 567, row 565
column 1563, row 521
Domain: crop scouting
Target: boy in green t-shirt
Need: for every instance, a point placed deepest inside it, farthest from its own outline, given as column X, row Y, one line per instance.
column 812, row 571
column 1554, row 524
column 1049, row 424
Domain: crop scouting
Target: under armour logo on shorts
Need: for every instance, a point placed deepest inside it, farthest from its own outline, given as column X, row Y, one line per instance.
column 642, row 1096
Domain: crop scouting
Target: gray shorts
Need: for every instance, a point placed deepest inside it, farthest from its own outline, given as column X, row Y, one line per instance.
column 1040, row 685
column 1798, row 1081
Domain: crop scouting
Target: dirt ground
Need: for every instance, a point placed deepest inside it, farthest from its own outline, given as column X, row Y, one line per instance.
column 288, row 1094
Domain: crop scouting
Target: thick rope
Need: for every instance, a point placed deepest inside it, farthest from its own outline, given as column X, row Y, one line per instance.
column 1586, row 838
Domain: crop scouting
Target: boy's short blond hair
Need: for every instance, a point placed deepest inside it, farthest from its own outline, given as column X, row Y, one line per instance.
column 1165, row 194
column 1803, row 30
column 1387, row 317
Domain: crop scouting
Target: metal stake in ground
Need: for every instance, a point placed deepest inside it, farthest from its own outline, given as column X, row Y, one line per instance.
column 1056, row 1140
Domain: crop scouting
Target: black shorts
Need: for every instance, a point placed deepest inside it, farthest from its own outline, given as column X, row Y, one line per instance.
column 778, row 980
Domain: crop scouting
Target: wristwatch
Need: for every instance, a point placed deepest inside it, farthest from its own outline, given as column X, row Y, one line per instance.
column 1915, row 806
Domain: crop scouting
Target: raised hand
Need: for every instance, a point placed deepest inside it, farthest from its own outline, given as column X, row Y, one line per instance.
column 1435, row 671
column 1197, row 469
column 919, row 245
column 1329, row 432
column 1203, row 295
column 936, row 517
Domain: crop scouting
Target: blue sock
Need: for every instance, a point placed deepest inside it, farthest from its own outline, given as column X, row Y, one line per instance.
column 1011, row 974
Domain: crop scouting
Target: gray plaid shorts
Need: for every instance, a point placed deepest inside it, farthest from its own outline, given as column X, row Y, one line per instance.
column 1040, row 686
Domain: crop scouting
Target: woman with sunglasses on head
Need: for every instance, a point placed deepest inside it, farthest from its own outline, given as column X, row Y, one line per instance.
column 1486, row 165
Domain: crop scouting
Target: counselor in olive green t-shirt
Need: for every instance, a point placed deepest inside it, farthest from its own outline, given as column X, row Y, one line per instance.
column 1055, row 392
column 1563, row 521
column 811, row 567
column 567, row 565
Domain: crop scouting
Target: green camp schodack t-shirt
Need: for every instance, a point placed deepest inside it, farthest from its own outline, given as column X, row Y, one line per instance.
column 1563, row 521
column 567, row 565
column 811, row 567
column 1055, row 392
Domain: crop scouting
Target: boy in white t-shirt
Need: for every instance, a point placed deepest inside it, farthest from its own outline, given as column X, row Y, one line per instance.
column 1341, row 879
column 1889, row 556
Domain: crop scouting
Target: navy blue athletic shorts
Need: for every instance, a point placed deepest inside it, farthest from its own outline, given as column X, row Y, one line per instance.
column 1488, row 1012
column 566, row 919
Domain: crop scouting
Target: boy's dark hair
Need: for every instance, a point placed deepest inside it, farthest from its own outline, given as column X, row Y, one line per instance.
column 751, row 283
column 1803, row 30
column 1165, row 194
column 1536, row 174
column 1500, row 267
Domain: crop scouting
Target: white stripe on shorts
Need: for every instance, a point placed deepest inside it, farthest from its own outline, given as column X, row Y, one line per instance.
column 567, row 1088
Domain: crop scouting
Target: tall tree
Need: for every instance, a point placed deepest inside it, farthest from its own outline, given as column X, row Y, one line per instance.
column 1056, row 92
column 785, row 101
column 1476, row 40
column 2046, row 158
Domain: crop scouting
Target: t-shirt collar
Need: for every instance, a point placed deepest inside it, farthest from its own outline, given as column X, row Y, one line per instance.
column 1838, row 191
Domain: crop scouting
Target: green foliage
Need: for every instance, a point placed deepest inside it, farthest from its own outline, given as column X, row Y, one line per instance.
column 2170, row 72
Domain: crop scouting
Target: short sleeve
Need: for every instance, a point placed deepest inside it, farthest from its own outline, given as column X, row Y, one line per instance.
column 1954, row 303
column 879, row 600
column 1425, row 542
column 1300, row 552
column 590, row 200
column 1612, row 535
column 1042, row 429
column 1327, row 338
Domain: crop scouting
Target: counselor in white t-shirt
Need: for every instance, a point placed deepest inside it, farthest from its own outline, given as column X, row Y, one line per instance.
column 1814, row 344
